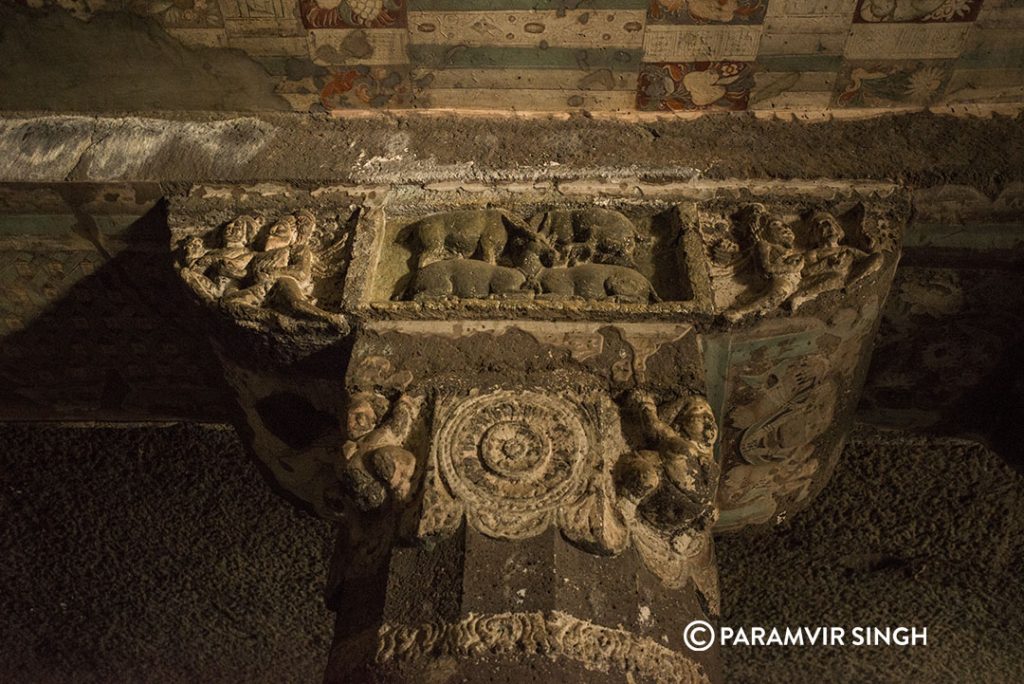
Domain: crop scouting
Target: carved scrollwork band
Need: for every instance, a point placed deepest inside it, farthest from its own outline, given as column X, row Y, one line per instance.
column 553, row 634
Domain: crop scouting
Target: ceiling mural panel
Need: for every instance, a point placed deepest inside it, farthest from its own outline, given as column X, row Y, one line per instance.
column 608, row 55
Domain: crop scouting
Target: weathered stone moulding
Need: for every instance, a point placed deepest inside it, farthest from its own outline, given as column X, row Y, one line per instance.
column 529, row 409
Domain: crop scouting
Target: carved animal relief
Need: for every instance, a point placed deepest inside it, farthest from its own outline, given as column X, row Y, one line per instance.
column 492, row 254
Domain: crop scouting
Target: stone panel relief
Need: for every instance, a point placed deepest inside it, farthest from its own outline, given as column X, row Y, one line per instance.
column 762, row 260
column 513, row 463
column 741, row 260
column 500, row 375
column 516, row 462
column 586, row 254
column 667, row 490
column 262, row 268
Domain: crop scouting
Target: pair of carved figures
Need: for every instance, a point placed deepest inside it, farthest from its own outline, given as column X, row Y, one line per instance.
column 487, row 253
column 794, row 275
column 259, row 266
column 514, row 462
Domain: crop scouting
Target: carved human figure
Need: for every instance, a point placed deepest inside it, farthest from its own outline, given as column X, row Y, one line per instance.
column 282, row 273
column 192, row 250
column 828, row 265
column 778, row 260
column 673, row 483
column 377, row 467
column 221, row 271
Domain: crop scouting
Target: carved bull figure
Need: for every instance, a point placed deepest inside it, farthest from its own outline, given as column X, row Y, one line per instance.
column 462, row 234
column 593, row 235
column 593, row 282
column 466, row 279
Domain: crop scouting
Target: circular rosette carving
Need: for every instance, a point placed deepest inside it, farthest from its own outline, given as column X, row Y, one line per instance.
column 512, row 458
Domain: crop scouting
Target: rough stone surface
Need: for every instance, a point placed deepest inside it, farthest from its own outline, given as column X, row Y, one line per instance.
column 156, row 554
column 917, row 149
column 911, row 531
column 153, row 554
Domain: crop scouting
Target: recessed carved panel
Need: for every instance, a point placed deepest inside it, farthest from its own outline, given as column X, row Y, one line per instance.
column 586, row 254
column 269, row 267
column 762, row 259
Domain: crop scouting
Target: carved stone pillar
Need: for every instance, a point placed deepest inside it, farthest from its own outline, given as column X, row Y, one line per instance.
column 528, row 410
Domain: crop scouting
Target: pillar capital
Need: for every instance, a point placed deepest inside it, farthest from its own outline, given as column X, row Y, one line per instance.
column 530, row 408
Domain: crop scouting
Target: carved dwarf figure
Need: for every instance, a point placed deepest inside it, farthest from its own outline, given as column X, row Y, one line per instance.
column 377, row 466
column 673, row 485
column 778, row 260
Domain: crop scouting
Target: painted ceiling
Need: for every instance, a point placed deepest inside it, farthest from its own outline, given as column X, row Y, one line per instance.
column 608, row 55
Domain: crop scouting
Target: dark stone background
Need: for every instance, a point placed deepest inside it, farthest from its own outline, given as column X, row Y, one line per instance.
column 157, row 554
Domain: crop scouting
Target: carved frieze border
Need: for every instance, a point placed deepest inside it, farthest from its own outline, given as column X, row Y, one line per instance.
column 553, row 634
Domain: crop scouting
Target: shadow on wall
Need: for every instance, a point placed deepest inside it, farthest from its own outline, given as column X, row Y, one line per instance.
column 948, row 359
column 92, row 335
column 120, row 62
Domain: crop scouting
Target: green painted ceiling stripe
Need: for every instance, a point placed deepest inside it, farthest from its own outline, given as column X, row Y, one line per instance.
column 462, row 57
column 800, row 62
column 1005, row 58
column 486, row 5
